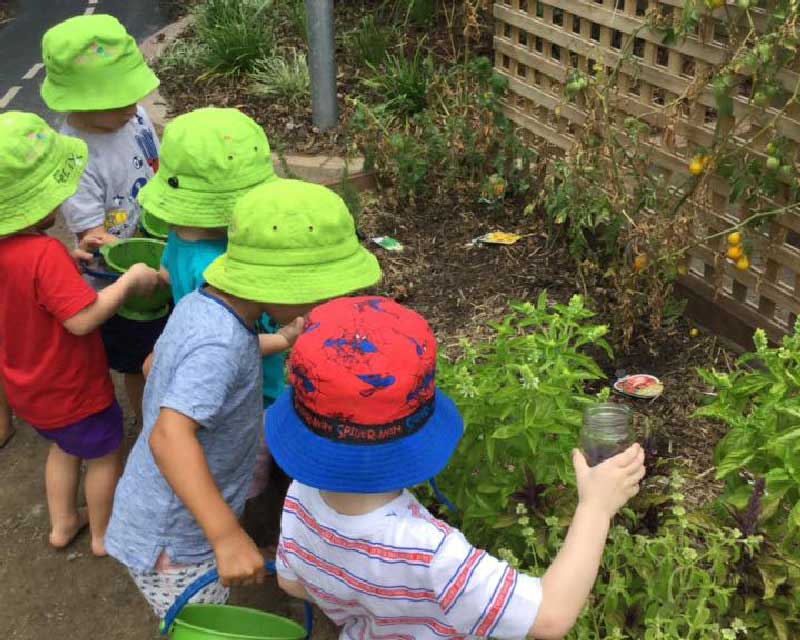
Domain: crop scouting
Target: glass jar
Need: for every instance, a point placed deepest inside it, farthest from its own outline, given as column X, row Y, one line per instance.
column 607, row 431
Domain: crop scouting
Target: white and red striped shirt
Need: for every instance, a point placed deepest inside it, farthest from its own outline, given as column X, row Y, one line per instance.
column 397, row 573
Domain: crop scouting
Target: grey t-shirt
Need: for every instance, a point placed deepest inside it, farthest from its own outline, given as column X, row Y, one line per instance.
column 207, row 366
column 120, row 164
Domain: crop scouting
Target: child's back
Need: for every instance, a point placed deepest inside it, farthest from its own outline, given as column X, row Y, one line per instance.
column 362, row 422
column 399, row 572
column 206, row 367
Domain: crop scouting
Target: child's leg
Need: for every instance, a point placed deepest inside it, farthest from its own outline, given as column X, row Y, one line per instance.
column 102, row 475
column 134, row 388
column 61, row 480
column 6, row 425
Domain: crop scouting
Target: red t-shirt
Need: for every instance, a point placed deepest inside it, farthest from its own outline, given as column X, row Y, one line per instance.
column 52, row 377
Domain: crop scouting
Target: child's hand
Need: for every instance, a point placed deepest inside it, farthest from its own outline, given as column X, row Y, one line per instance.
column 79, row 255
column 142, row 279
column 94, row 239
column 239, row 560
column 291, row 331
column 609, row 485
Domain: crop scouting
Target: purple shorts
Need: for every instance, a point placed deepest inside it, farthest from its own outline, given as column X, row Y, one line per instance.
column 93, row 437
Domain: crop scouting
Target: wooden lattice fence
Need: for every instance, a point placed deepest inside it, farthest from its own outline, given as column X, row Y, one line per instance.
column 539, row 44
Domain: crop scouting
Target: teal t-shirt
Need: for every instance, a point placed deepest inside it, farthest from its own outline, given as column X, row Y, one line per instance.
column 186, row 260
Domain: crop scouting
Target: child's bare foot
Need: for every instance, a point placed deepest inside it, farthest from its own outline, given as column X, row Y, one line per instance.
column 61, row 536
column 99, row 547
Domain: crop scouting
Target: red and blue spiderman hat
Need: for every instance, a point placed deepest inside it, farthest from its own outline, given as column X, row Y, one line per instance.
column 362, row 413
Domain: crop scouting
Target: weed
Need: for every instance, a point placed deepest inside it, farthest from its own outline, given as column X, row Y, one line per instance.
column 235, row 33
column 403, row 83
column 286, row 77
column 370, row 42
column 182, row 56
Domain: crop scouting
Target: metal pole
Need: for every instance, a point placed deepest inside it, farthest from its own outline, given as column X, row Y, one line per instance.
column 322, row 49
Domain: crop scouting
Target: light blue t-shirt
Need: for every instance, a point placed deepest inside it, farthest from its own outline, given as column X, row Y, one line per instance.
column 207, row 366
column 186, row 260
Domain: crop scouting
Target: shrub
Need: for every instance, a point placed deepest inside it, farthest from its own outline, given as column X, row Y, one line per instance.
column 521, row 394
column 759, row 457
column 287, row 77
column 370, row 42
column 457, row 142
column 403, row 83
column 235, row 33
column 183, row 55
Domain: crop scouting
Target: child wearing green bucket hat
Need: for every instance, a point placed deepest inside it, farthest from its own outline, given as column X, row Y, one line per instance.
column 52, row 360
column 361, row 423
column 210, row 158
column 176, row 512
column 96, row 75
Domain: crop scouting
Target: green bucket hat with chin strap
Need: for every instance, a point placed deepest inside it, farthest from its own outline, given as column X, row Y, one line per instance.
column 209, row 159
column 292, row 242
column 39, row 169
column 93, row 64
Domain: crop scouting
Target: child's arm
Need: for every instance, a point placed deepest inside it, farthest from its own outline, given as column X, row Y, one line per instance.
column 293, row 588
column 271, row 343
column 98, row 235
column 602, row 491
column 181, row 459
column 139, row 279
column 147, row 365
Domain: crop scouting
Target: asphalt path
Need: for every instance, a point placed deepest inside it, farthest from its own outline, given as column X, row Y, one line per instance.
column 21, row 72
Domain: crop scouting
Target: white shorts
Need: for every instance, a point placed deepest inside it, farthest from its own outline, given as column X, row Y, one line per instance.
column 162, row 586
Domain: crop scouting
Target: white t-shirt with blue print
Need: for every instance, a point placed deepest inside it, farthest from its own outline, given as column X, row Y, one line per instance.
column 120, row 164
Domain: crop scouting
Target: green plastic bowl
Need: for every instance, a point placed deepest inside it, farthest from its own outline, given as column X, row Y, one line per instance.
column 126, row 253
column 222, row 622
column 154, row 226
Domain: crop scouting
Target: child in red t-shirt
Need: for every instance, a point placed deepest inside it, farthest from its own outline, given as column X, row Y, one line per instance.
column 52, row 361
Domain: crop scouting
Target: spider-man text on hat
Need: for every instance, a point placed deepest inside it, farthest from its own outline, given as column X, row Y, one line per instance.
column 363, row 371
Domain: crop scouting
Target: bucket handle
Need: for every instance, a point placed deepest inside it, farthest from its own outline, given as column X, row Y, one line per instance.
column 208, row 578
column 102, row 275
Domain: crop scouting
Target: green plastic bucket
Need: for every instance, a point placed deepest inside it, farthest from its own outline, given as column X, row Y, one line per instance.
column 223, row 622
column 154, row 226
column 125, row 254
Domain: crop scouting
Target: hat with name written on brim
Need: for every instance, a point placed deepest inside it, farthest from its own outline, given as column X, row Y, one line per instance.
column 362, row 413
column 292, row 242
column 39, row 170
column 93, row 64
column 209, row 158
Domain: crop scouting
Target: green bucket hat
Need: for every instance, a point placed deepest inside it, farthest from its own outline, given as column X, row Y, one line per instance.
column 39, row 169
column 93, row 64
column 292, row 242
column 209, row 159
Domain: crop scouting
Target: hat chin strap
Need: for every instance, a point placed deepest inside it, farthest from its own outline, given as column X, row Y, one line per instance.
column 441, row 497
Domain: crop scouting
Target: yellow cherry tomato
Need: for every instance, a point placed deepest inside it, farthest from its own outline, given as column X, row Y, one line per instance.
column 735, row 252
column 735, row 238
column 694, row 332
column 697, row 166
column 743, row 264
column 640, row 262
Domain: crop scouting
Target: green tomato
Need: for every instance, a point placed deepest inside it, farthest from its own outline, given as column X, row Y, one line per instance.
column 773, row 163
column 787, row 171
column 772, row 148
column 743, row 4
column 761, row 98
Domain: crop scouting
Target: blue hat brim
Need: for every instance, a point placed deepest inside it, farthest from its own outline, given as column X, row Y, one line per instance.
column 351, row 468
